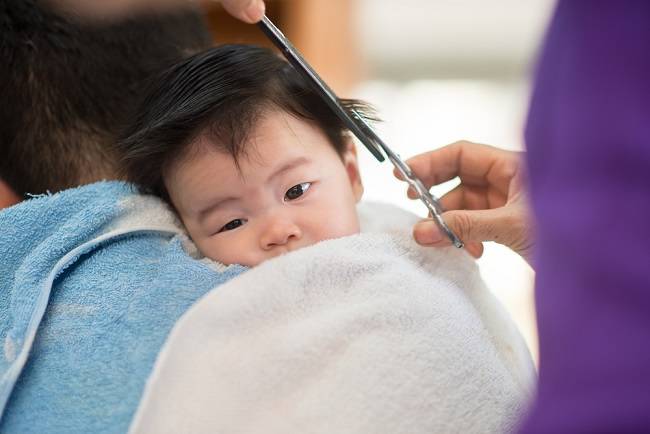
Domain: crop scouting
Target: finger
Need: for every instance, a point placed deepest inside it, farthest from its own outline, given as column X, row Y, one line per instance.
column 411, row 193
column 453, row 199
column 426, row 233
column 476, row 225
column 438, row 166
column 470, row 226
column 249, row 11
column 471, row 198
column 466, row 197
column 476, row 164
column 474, row 249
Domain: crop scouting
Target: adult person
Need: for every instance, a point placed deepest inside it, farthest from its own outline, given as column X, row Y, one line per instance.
column 67, row 87
column 73, row 84
column 589, row 171
column 91, row 278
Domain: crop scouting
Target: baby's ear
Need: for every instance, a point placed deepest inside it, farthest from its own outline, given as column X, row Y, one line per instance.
column 352, row 167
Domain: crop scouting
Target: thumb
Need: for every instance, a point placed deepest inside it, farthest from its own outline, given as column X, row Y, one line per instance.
column 476, row 225
column 470, row 226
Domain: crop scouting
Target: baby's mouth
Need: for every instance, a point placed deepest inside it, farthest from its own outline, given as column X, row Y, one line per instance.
column 287, row 248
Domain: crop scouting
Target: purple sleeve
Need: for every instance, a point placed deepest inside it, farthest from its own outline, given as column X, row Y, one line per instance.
column 588, row 138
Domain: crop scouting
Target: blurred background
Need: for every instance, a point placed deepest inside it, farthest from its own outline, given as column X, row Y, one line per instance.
column 437, row 71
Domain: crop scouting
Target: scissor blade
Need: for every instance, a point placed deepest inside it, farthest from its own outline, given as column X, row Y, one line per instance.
column 429, row 200
column 354, row 122
column 300, row 64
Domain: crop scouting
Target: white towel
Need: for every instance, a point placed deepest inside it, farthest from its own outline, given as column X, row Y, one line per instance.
column 364, row 334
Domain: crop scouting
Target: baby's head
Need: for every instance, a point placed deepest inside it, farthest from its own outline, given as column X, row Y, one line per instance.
column 252, row 160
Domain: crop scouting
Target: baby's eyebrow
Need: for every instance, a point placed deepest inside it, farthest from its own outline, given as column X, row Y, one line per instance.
column 214, row 204
column 291, row 164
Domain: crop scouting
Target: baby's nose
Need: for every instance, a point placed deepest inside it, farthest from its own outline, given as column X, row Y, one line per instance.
column 278, row 232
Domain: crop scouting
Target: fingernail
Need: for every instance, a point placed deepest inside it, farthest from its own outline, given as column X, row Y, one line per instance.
column 255, row 11
column 427, row 233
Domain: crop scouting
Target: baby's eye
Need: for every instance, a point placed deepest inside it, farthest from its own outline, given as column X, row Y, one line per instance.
column 233, row 224
column 296, row 191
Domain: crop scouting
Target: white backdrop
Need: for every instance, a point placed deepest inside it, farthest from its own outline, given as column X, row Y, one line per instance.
column 444, row 70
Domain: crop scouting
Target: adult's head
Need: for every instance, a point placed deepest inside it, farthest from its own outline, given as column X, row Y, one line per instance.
column 67, row 87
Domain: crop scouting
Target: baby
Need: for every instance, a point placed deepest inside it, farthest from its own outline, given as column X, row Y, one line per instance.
column 255, row 164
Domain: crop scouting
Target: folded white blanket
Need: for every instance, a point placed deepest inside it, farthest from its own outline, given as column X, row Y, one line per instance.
column 364, row 334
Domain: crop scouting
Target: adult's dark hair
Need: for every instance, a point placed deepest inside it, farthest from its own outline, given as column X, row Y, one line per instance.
column 221, row 92
column 66, row 88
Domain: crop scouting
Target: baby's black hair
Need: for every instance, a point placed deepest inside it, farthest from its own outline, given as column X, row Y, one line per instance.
column 222, row 92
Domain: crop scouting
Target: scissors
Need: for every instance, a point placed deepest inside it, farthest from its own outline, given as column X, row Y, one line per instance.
column 358, row 126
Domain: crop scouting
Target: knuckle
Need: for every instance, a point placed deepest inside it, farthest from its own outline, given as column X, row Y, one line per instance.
column 462, row 142
column 463, row 226
column 513, row 226
column 510, row 169
column 511, row 220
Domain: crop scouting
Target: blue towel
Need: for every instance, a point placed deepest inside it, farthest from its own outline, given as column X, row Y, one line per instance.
column 91, row 282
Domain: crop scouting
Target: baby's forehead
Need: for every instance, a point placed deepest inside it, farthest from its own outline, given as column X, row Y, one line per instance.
column 271, row 128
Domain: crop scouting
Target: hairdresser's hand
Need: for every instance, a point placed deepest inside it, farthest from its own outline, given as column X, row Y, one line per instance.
column 490, row 204
column 249, row 11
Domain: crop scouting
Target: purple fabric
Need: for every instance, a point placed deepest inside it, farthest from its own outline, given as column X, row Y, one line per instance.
column 588, row 139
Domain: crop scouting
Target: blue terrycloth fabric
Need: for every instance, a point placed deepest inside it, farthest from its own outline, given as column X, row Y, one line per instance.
column 98, row 284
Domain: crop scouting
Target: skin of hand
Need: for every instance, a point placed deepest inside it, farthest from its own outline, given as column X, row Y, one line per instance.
column 489, row 204
column 249, row 11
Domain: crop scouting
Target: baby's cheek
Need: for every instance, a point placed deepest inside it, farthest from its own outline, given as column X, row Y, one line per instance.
column 211, row 249
column 340, row 224
column 230, row 251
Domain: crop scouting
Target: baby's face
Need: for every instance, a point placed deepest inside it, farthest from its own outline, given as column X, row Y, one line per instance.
column 291, row 190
